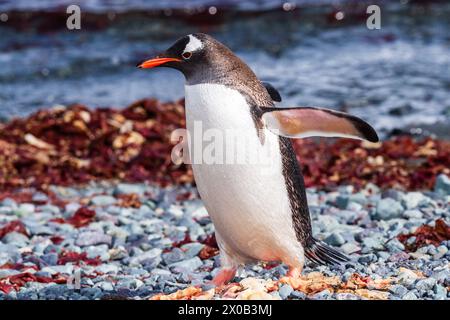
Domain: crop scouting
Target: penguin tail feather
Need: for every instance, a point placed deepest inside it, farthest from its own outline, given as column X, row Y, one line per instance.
column 321, row 253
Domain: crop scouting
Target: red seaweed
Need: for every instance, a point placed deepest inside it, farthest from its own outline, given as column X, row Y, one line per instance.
column 74, row 145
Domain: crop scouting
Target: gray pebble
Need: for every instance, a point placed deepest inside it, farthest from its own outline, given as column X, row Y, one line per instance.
column 442, row 184
column 16, row 239
column 335, row 239
column 103, row 200
column 186, row 265
column 285, row 291
column 89, row 238
column 125, row 188
column 388, row 209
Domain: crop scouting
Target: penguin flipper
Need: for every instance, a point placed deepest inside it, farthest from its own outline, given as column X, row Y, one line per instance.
column 274, row 94
column 303, row 122
column 321, row 253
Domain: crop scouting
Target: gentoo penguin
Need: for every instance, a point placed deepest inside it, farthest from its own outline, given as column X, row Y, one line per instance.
column 258, row 214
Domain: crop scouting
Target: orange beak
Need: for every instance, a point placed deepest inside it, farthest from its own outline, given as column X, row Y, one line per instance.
column 156, row 62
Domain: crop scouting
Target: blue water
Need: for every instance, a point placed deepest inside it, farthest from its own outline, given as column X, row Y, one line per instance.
column 396, row 77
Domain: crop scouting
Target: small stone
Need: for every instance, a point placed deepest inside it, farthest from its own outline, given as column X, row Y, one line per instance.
column 350, row 248
column 105, row 286
column 407, row 277
column 39, row 197
column 398, row 290
column 15, row 238
column 71, row 208
column 65, row 269
column 192, row 249
column 442, row 185
column 8, row 272
column 89, row 238
column 368, row 258
column 50, row 258
column 346, row 296
column 373, row 243
column 173, row 256
column 8, row 202
column 409, row 296
column 388, row 209
column 412, row 200
column 440, row 292
column 441, row 251
column 298, row 295
column 153, row 256
column 128, row 188
column 131, row 284
column 285, row 291
column 187, row 265
column 24, row 209
column 394, row 245
column 425, row 284
column 342, row 201
column 107, row 268
column 412, row 214
column 335, row 239
column 103, row 200
column 100, row 251
column 322, row 295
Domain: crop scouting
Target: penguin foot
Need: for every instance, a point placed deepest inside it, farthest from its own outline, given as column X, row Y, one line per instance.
column 224, row 276
column 294, row 272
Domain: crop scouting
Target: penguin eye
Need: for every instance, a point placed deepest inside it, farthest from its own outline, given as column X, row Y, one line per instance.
column 186, row 55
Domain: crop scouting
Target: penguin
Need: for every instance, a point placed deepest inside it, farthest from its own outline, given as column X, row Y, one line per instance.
column 258, row 214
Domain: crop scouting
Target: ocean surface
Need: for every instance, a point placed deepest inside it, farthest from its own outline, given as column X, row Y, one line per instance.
column 316, row 53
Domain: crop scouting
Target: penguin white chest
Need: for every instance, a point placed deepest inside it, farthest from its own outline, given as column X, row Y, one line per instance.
column 239, row 177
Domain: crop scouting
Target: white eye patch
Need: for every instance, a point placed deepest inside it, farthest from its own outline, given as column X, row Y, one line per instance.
column 193, row 44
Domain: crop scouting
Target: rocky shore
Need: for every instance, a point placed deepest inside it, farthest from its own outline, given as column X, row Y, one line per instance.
column 91, row 207
column 141, row 241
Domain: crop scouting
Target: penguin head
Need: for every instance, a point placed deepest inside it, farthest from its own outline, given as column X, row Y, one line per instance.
column 193, row 55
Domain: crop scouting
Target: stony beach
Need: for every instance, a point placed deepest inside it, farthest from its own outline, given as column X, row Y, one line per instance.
column 91, row 207
column 141, row 241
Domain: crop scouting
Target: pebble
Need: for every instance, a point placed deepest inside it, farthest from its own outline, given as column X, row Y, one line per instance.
column 442, row 184
column 187, row 265
column 398, row 290
column 425, row 284
column 136, row 256
column 388, row 209
column 16, row 239
column 285, row 291
column 153, row 255
column 192, row 249
column 24, row 210
column 126, row 188
column 103, row 200
column 89, row 238
column 335, row 239
column 409, row 296
column 412, row 200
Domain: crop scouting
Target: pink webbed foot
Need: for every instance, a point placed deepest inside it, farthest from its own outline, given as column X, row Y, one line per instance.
column 294, row 272
column 224, row 276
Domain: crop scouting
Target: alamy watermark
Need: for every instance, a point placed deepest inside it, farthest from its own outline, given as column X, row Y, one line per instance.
column 373, row 22
column 74, row 20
